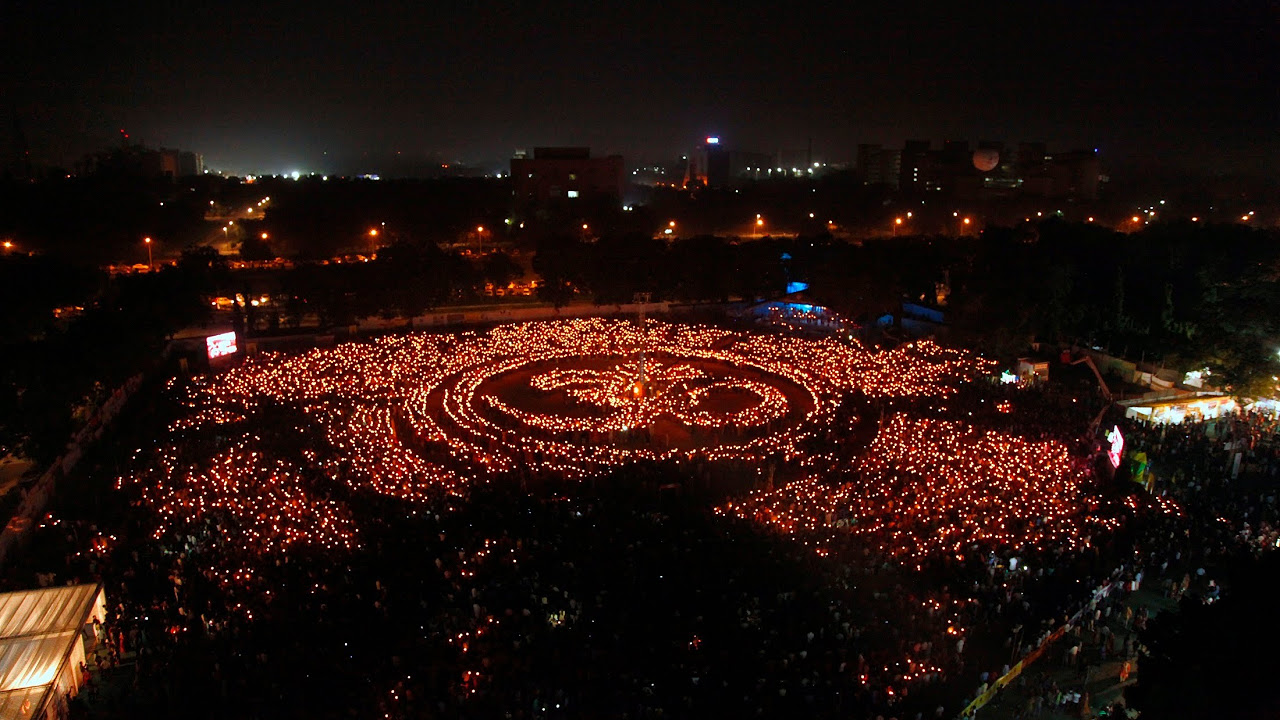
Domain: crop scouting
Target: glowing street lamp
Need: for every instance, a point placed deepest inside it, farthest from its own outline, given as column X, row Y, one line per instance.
column 147, row 241
column 896, row 223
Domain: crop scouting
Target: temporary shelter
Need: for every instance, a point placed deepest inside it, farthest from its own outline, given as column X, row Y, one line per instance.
column 42, row 645
column 1200, row 406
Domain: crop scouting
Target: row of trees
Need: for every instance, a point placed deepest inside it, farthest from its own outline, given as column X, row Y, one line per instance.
column 70, row 333
column 1185, row 294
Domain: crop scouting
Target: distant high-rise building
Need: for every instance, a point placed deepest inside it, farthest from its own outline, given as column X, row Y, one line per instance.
column 1074, row 174
column 1030, row 157
column 565, row 174
column 878, row 166
column 190, row 163
column 711, row 164
column 915, row 165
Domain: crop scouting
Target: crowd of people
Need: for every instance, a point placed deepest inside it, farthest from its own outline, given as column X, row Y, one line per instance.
column 1212, row 523
column 626, row 596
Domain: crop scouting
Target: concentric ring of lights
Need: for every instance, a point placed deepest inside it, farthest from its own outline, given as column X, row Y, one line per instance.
column 412, row 416
column 500, row 434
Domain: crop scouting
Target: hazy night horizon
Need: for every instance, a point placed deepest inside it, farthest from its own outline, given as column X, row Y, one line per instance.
column 320, row 87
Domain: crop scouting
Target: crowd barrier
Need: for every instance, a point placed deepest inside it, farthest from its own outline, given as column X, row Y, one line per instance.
column 999, row 684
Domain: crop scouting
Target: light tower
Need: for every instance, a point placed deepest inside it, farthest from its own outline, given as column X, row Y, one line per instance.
column 641, row 299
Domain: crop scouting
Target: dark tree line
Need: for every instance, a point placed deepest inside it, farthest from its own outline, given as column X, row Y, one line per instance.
column 71, row 333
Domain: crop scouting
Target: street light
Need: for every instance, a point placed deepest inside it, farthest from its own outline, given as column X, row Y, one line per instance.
column 896, row 223
column 147, row 241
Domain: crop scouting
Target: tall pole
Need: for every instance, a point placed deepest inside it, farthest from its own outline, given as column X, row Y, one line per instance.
column 642, row 298
column 150, row 265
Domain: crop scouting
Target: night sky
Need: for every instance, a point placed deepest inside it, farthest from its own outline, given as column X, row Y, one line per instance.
column 261, row 87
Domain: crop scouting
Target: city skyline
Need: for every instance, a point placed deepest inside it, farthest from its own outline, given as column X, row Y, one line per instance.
column 273, row 89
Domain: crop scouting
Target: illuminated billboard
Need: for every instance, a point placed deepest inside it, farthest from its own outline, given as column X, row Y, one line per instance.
column 221, row 345
column 1117, row 446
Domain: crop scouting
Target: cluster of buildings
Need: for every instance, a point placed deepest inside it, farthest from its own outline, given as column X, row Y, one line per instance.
column 139, row 160
column 714, row 165
column 990, row 170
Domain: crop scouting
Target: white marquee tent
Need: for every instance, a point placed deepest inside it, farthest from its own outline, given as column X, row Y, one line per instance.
column 42, row 646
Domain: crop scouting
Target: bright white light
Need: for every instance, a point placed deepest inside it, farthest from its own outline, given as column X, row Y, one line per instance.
column 295, row 174
column 713, row 140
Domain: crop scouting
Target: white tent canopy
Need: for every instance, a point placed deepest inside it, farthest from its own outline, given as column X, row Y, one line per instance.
column 41, row 646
